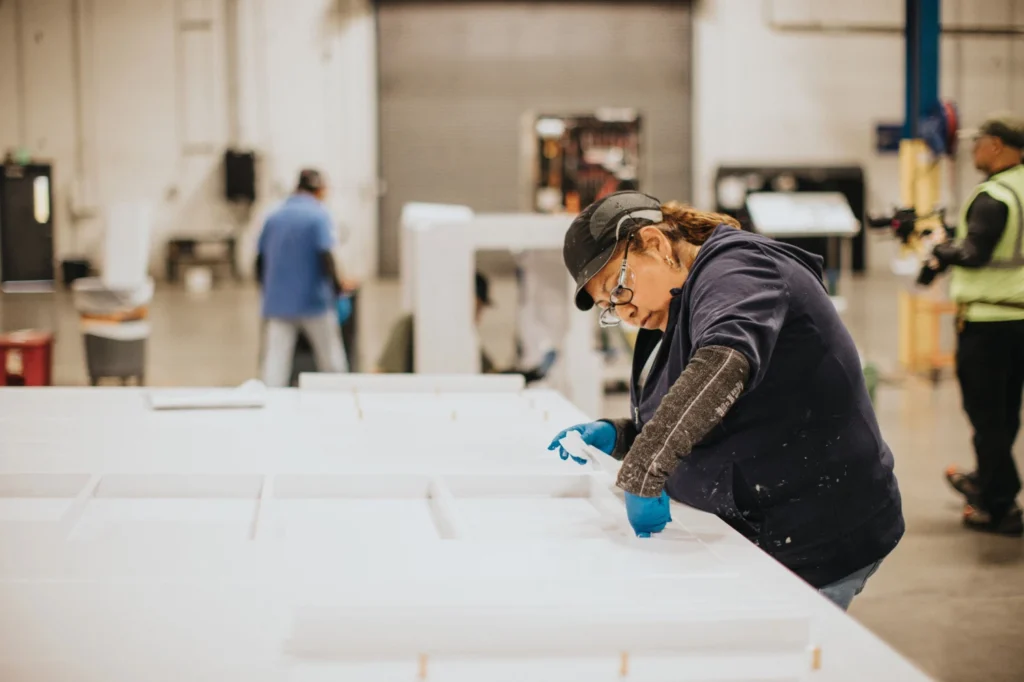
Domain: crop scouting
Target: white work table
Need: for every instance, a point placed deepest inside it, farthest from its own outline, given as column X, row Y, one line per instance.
column 372, row 537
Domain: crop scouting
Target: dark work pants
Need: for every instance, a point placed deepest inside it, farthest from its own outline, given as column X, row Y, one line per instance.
column 990, row 367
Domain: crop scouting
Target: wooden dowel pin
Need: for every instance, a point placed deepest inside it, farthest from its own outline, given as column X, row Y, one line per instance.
column 816, row 658
column 423, row 667
column 624, row 664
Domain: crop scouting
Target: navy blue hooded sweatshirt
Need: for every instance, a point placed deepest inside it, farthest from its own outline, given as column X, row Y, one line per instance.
column 798, row 465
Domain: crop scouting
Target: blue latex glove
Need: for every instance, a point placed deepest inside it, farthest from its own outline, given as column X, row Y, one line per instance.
column 648, row 514
column 601, row 435
column 344, row 306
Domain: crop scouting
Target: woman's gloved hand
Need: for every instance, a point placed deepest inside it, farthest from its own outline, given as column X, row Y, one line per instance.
column 600, row 435
column 648, row 514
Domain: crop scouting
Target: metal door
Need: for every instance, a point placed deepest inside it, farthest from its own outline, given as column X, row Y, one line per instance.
column 26, row 225
column 456, row 78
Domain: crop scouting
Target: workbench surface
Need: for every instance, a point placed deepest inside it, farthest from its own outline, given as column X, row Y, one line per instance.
column 335, row 535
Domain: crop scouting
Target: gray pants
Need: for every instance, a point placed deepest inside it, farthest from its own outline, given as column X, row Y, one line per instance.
column 324, row 336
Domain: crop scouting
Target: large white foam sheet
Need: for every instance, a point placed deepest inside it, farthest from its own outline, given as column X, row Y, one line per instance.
column 543, row 311
column 366, row 535
column 126, row 250
column 445, row 334
column 444, row 337
column 418, row 216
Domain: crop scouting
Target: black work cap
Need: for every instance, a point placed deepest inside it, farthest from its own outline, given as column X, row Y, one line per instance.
column 1007, row 128
column 594, row 234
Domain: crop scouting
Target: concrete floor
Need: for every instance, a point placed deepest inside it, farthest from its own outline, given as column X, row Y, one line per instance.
column 949, row 600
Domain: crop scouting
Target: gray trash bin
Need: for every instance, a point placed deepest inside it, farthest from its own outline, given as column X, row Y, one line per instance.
column 113, row 350
column 116, row 351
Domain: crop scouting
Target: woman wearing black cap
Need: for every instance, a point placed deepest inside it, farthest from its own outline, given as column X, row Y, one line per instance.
column 747, row 396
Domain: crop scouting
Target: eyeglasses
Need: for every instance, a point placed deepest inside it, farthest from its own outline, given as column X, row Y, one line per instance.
column 620, row 295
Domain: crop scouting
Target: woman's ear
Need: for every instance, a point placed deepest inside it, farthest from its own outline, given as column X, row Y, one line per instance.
column 655, row 242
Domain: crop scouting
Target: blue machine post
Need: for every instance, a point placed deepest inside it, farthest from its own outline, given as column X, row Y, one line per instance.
column 923, row 26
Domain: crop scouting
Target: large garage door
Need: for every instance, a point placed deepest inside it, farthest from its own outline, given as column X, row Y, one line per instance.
column 456, row 78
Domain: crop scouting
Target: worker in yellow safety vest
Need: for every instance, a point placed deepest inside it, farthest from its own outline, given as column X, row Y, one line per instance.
column 987, row 260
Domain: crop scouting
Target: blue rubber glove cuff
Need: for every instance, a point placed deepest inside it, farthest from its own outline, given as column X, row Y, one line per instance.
column 648, row 514
column 344, row 308
column 600, row 435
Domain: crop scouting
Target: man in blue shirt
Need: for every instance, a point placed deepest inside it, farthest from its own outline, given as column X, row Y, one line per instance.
column 300, row 282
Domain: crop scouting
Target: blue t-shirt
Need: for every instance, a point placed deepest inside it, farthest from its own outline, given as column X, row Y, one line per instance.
column 293, row 239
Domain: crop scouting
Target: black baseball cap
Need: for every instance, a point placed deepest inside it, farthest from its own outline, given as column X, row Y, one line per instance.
column 594, row 234
column 1007, row 128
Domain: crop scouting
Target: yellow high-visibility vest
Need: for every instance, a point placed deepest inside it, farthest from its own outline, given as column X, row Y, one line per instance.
column 991, row 293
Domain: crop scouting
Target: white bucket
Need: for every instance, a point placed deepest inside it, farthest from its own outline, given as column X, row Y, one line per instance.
column 198, row 280
column 117, row 331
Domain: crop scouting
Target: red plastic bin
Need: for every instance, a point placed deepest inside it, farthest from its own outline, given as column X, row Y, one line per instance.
column 26, row 358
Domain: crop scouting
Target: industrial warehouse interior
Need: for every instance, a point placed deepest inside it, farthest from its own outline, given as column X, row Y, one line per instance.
column 344, row 339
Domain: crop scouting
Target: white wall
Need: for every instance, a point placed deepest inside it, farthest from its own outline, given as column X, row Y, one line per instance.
column 138, row 107
column 771, row 96
column 312, row 89
column 154, row 111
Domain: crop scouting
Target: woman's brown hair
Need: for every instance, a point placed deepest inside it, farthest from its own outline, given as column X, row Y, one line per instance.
column 684, row 223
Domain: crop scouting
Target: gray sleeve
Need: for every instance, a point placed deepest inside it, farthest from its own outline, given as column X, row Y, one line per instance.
column 625, row 434
column 700, row 398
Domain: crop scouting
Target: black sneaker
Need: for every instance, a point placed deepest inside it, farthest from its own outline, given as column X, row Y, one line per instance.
column 965, row 483
column 1011, row 523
